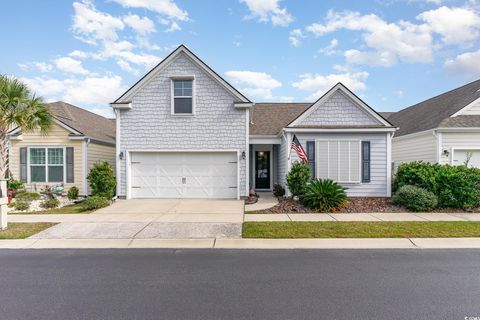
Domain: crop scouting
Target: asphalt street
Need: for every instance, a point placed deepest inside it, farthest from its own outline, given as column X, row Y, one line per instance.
column 239, row 284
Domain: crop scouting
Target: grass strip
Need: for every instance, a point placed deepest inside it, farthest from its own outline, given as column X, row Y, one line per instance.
column 23, row 230
column 338, row 229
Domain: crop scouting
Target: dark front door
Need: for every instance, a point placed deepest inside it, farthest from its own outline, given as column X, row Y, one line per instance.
column 262, row 169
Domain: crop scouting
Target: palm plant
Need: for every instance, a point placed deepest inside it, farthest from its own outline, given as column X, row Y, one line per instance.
column 324, row 195
column 19, row 107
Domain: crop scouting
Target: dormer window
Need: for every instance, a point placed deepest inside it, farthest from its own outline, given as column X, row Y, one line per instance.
column 183, row 102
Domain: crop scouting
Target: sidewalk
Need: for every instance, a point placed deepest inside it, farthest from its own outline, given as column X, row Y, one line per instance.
column 406, row 216
column 381, row 243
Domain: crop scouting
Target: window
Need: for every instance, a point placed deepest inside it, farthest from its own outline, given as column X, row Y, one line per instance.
column 339, row 160
column 46, row 164
column 182, row 96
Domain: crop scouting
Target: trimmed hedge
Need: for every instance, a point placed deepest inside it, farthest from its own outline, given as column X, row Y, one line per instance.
column 298, row 177
column 455, row 186
column 415, row 198
column 94, row 202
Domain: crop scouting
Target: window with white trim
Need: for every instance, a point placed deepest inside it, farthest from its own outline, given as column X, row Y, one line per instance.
column 46, row 164
column 339, row 160
column 182, row 96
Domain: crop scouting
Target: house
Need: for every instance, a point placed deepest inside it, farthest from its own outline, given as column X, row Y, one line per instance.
column 77, row 139
column 444, row 129
column 185, row 132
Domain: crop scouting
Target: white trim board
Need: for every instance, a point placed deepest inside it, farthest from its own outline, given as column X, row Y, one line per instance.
column 353, row 97
column 472, row 104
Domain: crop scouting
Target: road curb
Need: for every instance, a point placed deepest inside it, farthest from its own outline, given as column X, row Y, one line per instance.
column 355, row 243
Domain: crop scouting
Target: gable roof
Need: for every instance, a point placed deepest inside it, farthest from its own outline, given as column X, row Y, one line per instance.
column 386, row 114
column 340, row 86
column 430, row 113
column 271, row 118
column 126, row 97
column 83, row 122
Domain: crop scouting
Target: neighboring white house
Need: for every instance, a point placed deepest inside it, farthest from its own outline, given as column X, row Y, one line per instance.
column 184, row 132
column 444, row 129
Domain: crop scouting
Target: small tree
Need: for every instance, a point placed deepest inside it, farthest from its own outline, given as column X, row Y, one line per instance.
column 298, row 177
column 102, row 180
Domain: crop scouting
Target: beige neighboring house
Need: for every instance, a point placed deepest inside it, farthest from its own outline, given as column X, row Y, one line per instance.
column 444, row 129
column 77, row 139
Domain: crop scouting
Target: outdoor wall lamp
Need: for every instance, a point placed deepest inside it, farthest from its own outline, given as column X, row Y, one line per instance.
column 244, row 155
column 446, row 153
column 120, row 155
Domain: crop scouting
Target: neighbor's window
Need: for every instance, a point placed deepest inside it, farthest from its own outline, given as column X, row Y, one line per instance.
column 46, row 164
column 339, row 160
column 182, row 96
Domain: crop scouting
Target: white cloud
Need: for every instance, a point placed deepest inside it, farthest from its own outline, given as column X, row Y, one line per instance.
column 458, row 26
column 91, row 25
column 399, row 93
column 268, row 11
column 106, row 112
column 124, row 65
column 372, row 58
column 403, row 40
column 78, row 54
column 164, row 7
column 331, row 49
column 295, row 37
column 81, row 92
column 319, row 84
column 142, row 25
column 70, row 65
column 174, row 26
column 466, row 64
column 257, row 84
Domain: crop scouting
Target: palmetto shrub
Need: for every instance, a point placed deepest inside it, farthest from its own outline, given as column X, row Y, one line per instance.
column 415, row 198
column 324, row 195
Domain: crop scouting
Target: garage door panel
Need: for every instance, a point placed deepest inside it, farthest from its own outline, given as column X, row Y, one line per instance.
column 460, row 157
column 184, row 175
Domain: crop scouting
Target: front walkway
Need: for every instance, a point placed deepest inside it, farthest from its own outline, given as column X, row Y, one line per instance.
column 407, row 216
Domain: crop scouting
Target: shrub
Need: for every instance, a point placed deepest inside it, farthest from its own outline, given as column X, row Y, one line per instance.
column 416, row 173
column 50, row 203
column 73, row 193
column 458, row 187
column 95, row 202
column 28, row 196
column 415, row 198
column 13, row 184
column 278, row 190
column 21, row 205
column 102, row 180
column 298, row 177
column 324, row 195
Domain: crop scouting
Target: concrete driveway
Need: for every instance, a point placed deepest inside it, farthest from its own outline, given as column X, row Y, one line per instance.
column 149, row 219
column 162, row 206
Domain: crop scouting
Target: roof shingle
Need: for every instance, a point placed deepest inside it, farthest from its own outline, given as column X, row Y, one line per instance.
column 271, row 118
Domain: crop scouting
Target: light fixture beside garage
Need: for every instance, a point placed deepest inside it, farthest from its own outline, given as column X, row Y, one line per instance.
column 244, row 155
column 120, row 155
column 446, row 153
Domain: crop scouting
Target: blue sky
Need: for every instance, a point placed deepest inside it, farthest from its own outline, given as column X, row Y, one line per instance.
column 391, row 53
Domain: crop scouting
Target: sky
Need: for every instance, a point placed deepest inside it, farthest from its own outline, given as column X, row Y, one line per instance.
column 391, row 53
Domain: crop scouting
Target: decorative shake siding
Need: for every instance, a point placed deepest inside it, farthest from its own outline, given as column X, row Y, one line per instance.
column 458, row 140
column 339, row 110
column 57, row 137
column 217, row 124
column 414, row 147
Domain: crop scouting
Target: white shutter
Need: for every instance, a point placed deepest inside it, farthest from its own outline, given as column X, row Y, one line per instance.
column 338, row 160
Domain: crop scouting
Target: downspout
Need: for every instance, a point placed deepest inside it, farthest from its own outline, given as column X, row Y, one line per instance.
column 85, row 166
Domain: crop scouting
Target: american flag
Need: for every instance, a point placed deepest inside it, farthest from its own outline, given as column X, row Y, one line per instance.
column 299, row 149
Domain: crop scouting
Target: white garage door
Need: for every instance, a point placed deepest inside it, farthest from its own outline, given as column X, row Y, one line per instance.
column 184, row 175
column 460, row 156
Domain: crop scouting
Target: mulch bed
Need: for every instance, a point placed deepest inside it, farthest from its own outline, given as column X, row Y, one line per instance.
column 354, row 205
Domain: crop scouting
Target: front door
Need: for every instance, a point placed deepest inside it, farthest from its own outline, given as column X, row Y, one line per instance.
column 262, row 170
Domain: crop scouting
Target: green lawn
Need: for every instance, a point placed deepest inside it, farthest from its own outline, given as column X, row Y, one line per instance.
column 331, row 229
column 23, row 230
column 71, row 209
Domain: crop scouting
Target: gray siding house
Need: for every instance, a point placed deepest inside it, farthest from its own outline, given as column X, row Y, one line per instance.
column 184, row 132
column 444, row 129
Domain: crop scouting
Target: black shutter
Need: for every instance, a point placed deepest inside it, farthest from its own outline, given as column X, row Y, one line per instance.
column 311, row 156
column 69, row 157
column 23, row 163
column 365, row 161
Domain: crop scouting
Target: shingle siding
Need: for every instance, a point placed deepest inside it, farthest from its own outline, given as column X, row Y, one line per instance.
column 216, row 124
column 339, row 110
